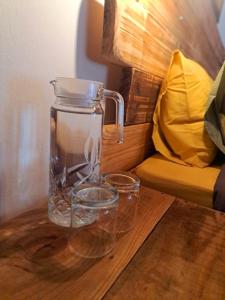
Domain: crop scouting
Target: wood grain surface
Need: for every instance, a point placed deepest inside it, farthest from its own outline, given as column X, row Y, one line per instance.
column 140, row 92
column 143, row 34
column 37, row 263
column 136, row 147
column 184, row 258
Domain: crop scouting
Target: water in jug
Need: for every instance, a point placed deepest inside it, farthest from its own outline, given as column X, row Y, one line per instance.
column 76, row 124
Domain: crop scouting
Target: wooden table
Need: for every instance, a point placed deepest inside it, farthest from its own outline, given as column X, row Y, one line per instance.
column 37, row 263
column 182, row 258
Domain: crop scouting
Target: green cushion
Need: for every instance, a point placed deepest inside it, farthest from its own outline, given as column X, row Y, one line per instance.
column 215, row 113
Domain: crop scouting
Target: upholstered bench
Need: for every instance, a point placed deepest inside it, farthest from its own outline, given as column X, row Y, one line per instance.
column 190, row 183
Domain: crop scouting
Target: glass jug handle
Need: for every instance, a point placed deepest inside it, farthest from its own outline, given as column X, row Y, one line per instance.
column 118, row 99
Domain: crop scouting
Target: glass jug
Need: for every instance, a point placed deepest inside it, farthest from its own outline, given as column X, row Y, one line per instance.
column 76, row 136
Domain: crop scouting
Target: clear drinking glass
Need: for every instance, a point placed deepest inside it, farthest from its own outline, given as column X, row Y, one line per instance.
column 76, row 138
column 93, row 220
column 128, row 187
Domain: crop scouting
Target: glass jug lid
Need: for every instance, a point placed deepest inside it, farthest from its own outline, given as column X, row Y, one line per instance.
column 77, row 88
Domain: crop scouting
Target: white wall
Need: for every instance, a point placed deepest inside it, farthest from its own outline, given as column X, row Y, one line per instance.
column 39, row 40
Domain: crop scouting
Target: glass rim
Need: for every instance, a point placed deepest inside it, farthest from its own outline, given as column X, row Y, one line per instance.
column 81, row 191
column 81, row 80
column 133, row 181
column 77, row 88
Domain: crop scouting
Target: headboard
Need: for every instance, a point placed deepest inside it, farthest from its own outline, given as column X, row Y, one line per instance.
column 140, row 35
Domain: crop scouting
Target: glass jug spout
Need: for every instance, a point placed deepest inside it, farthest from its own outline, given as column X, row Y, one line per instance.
column 118, row 99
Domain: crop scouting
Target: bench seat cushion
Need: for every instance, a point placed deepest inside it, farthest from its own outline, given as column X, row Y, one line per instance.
column 190, row 183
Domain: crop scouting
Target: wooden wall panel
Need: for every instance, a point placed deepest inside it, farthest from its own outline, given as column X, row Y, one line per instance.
column 142, row 34
column 140, row 91
column 136, row 147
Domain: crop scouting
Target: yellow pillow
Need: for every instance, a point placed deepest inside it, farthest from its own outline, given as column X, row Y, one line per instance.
column 179, row 132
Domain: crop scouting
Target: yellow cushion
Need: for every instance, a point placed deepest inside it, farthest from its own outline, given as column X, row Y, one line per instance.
column 190, row 183
column 179, row 132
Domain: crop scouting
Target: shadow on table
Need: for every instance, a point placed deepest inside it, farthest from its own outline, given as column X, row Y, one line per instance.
column 34, row 245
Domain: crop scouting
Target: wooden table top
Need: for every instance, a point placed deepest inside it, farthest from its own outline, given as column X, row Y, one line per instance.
column 36, row 262
column 183, row 258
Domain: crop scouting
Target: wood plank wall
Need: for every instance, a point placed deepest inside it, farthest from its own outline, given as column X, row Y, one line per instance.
column 136, row 147
column 140, row 91
column 143, row 34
